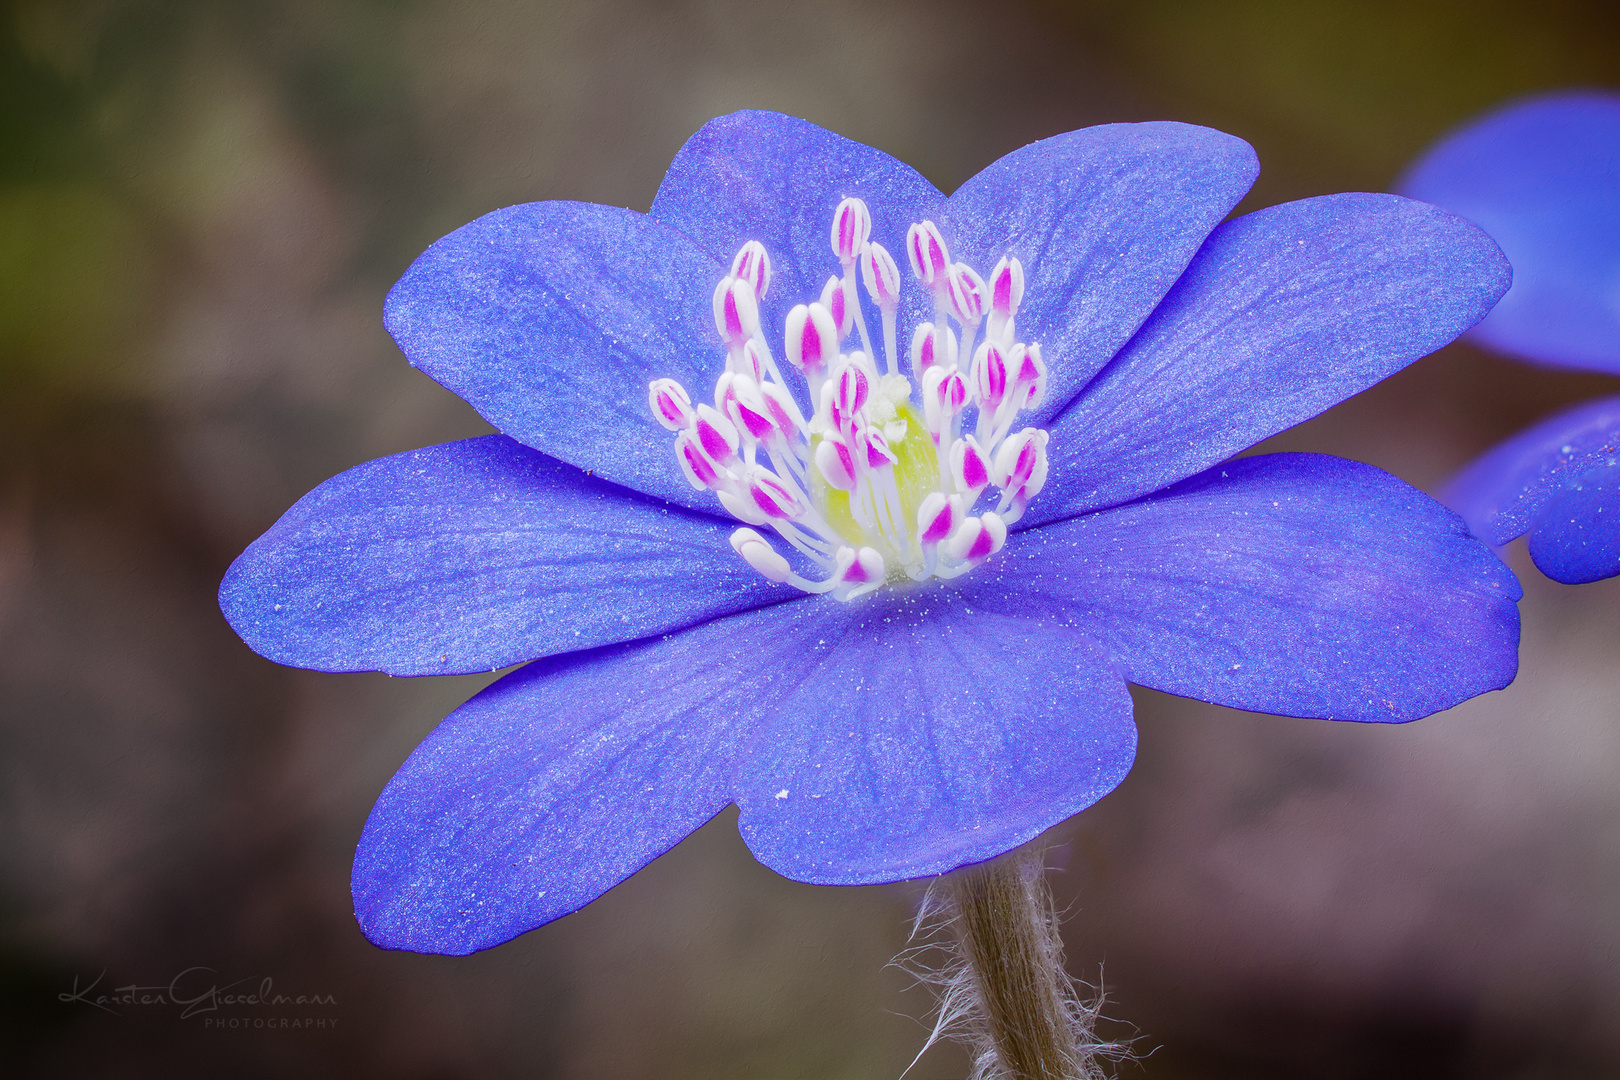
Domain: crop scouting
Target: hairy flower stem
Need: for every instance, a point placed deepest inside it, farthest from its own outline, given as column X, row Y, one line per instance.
column 1009, row 938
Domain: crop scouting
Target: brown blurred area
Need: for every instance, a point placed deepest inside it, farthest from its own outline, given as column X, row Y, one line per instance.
column 202, row 205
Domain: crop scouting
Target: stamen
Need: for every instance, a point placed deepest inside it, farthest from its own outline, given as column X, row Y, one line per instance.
column 930, row 260
column 812, row 339
column 865, row 489
column 926, row 349
column 882, row 278
column 736, row 311
column 716, row 435
column 670, row 404
column 1006, row 293
column 753, row 265
column 969, row 469
column 851, row 227
column 832, row 298
column 836, row 462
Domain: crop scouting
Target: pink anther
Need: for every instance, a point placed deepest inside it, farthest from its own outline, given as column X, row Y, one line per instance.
column 779, row 405
column 969, row 469
column 937, row 518
column 878, row 452
column 977, row 539
column 836, row 462
column 715, row 435
column 990, row 376
column 882, row 277
column 1029, row 385
column 966, row 294
column 852, row 391
column 749, row 360
column 945, row 395
column 745, row 406
column 812, row 338
column 700, row 472
column 867, row 568
column 838, row 306
column 930, row 260
column 741, row 507
column 671, row 404
column 851, row 227
column 736, row 311
column 1006, row 288
column 774, row 498
column 753, row 265
column 930, row 348
column 1020, row 467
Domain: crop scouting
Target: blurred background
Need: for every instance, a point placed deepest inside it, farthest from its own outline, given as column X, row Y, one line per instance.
column 202, row 204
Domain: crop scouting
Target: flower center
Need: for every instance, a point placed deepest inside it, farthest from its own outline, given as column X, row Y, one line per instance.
column 866, row 485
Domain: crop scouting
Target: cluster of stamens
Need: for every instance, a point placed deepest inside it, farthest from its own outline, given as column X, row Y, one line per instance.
column 867, row 487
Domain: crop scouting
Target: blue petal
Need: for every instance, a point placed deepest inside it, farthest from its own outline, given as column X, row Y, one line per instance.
column 1577, row 539
column 1543, row 178
column 777, row 179
column 551, row 319
column 1503, row 492
column 471, row 556
column 925, row 736
column 1284, row 313
column 564, row 778
column 1104, row 220
column 1290, row 583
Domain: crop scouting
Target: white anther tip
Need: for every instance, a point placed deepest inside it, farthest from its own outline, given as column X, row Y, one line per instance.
column 744, row 536
column 764, row 558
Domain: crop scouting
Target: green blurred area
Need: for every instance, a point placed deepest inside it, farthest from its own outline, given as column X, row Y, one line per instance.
column 73, row 263
column 106, row 167
column 1340, row 94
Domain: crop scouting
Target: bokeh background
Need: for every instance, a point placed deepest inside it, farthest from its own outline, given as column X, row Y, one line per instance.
column 202, row 204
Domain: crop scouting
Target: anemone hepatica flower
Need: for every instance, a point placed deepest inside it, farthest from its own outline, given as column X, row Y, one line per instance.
column 960, row 480
column 1543, row 178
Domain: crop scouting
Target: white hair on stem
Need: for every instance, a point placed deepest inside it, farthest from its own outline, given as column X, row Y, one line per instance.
column 1053, row 1034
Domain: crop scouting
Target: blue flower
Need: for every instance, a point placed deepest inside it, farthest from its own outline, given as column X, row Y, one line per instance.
column 922, row 726
column 1543, row 178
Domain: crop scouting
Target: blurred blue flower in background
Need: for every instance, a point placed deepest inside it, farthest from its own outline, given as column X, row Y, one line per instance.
column 1543, row 178
column 921, row 727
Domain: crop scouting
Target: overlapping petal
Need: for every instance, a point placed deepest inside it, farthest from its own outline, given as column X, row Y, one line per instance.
column 561, row 780
column 1504, row 491
column 1290, row 583
column 1104, row 220
column 551, row 319
column 474, row 555
column 565, row 777
column 756, row 175
column 1577, row 539
column 926, row 735
column 1284, row 313
column 1543, row 178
